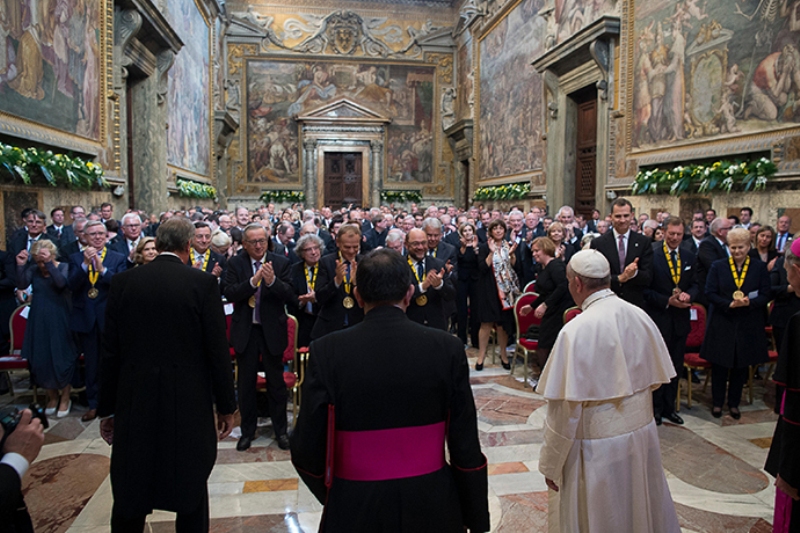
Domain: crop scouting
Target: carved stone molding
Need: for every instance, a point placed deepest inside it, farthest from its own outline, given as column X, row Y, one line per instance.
column 164, row 62
column 142, row 35
column 225, row 127
column 581, row 47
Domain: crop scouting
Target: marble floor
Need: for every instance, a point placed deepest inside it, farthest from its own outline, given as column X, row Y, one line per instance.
column 713, row 467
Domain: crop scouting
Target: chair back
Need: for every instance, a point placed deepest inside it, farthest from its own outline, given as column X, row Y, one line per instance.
column 530, row 287
column 571, row 313
column 17, row 324
column 291, row 339
column 524, row 322
column 697, row 331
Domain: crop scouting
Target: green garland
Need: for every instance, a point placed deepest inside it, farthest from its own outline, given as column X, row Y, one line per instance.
column 57, row 169
column 514, row 191
column 193, row 189
column 722, row 175
column 401, row 196
column 272, row 195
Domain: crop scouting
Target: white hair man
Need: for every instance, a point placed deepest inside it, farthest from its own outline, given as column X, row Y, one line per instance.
column 599, row 430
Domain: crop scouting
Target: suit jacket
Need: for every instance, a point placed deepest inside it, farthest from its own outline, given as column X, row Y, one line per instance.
column 14, row 515
column 433, row 312
column 638, row 246
column 172, row 360
column 68, row 249
column 383, row 389
column 444, row 253
column 66, row 234
column 710, row 250
column 690, row 246
column 120, row 245
column 332, row 314
column 453, row 239
column 273, row 301
column 86, row 312
column 19, row 242
column 671, row 321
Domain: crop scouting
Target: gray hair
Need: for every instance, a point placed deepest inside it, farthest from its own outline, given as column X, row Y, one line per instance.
column 219, row 239
column 789, row 258
column 565, row 209
column 650, row 223
column 308, row 215
column 395, row 235
column 716, row 223
column 306, row 240
column 433, row 223
column 93, row 223
column 131, row 215
column 174, row 235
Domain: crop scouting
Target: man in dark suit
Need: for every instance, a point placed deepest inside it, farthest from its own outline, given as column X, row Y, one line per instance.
column 77, row 245
column 629, row 254
column 393, row 419
column 57, row 228
column 711, row 248
column 697, row 233
column 284, row 241
column 23, row 240
column 669, row 298
column 445, row 253
column 131, row 233
column 201, row 256
column 258, row 283
column 68, row 235
column 337, row 273
column 19, row 449
column 90, row 274
column 107, row 215
column 566, row 215
column 433, row 286
column 162, row 375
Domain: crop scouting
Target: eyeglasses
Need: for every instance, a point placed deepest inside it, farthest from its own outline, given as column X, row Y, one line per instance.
column 96, row 233
column 257, row 242
column 131, row 225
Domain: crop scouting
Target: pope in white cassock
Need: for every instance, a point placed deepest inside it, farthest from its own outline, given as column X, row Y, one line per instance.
column 601, row 456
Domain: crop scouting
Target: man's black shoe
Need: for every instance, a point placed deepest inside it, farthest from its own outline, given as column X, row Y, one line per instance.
column 675, row 418
column 244, row 443
column 283, row 442
column 695, row 377
column 658, row 420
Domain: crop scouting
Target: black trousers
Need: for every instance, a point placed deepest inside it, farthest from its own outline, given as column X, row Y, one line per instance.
column 664, row 396
column 733, row 379
column 465, row 296
column 194, row 522
column 255, row 357
column 90, row 344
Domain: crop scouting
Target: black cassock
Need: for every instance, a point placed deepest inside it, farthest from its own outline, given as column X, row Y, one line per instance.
column 395, row 391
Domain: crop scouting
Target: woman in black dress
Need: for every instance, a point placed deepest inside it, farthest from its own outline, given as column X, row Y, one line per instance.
column 764, row 247
column 554, row 297
column 467, row 268
column 48, row 346
column 498, row 289
column 304, row 279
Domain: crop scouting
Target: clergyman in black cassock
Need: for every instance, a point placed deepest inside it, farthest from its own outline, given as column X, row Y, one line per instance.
column 384, row 396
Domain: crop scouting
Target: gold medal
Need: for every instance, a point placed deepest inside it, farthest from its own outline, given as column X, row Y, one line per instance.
column 676, row 290
column 93, row 293
column 252, row 301
column 422, row 300
column 738, row 279
column 738, row 295
column 348, row 302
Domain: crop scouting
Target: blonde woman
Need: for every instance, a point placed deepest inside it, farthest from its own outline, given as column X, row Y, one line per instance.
column 145, row 251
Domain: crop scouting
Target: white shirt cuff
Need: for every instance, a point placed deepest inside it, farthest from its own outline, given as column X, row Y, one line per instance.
column 17, row 462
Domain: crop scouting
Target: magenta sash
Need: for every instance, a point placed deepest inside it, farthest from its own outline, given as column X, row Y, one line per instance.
column 783, row 503
column 384, row 454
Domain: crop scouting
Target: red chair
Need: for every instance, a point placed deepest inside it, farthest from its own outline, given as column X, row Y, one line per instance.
column 692, row 360
column 13, row 362
column 571, row 313
column 524, row 346
column 293, row 379
column 530, row 287
column 228, row 318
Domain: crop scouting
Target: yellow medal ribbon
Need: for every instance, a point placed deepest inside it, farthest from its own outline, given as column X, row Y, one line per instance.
column 674, row 270
column 346, row 275
column 205, row 256
column 311, row 280
column 93, row 274
column 414, row 270
column 739, row 279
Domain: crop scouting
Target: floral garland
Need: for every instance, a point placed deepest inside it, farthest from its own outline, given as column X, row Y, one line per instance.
column 514, row 191
column 193, row 189
column 57, row 169
column 272, row 195
column 722, row 175
column 401, row 196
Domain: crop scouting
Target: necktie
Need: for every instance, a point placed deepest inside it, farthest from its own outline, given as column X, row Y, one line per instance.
column 257, row 308
column 420, row 269
column 59, row 232
column 674, row 257
column 311, row 277
column 621, row 250
column 782, row 242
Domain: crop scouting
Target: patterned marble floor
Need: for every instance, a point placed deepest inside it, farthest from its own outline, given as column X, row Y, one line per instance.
column 713, row 466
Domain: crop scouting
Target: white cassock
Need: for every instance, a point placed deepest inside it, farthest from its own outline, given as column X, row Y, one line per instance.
column 601, row 445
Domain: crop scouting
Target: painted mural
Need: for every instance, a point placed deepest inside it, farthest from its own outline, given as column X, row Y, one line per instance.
column 465, row 84
column 713, row 69
column 511, row 94
column 50, row 63
column 571, row 16
column 278, row 91
column 189, row 136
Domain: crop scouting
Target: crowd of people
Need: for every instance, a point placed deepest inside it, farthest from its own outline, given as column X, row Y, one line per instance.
column 467, row 267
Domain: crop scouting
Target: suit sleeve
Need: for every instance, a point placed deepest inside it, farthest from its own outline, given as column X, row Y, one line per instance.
column 217, row 351
column 789, row 459
column 764, row 288
column 10, row 494
column 309, row 438
column 468, row 464
column 282, row 286
column 327, row 284
column 109, row 357
column 645, row 273
column 237, row 284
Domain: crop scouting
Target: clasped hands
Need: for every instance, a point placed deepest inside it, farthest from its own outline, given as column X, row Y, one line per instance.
column 433, row 279
column 266, row 274
column 341, row 271
column 91, row 257
column 681, row 300
column 744, row 302
column 310, row 297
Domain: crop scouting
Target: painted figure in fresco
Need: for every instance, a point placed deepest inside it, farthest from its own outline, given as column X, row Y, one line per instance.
column 62, row 16
column 316, row 89
column 373, row 90
column 775, row 83
column 676, row 86
column 88, row 124
column 657, row 79
column 29, row 65
column 641, row 96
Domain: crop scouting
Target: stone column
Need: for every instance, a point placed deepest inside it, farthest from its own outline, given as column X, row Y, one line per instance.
column 377, row 172
column 310, row 167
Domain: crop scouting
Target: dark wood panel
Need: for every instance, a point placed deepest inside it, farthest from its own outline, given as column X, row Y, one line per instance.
column 342, row 179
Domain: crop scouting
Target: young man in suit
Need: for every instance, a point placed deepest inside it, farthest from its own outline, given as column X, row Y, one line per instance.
column 393, row 418
column 162, row 375
column 629, row 254
column 90, row 274
column 57, row 228
column 258, row 284
column 433, row 286
column 669, row 298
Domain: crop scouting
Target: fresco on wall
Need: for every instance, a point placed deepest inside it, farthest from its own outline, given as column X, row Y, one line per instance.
column 50, row 63
column 188, row 136
column 572, row 16
column 465, row 84
column 714, row 69
column 511, row 94
column 278, row 91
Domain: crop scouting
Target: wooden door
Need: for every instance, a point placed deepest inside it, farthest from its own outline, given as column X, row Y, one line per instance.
column 586, row 148
column 342, row 179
